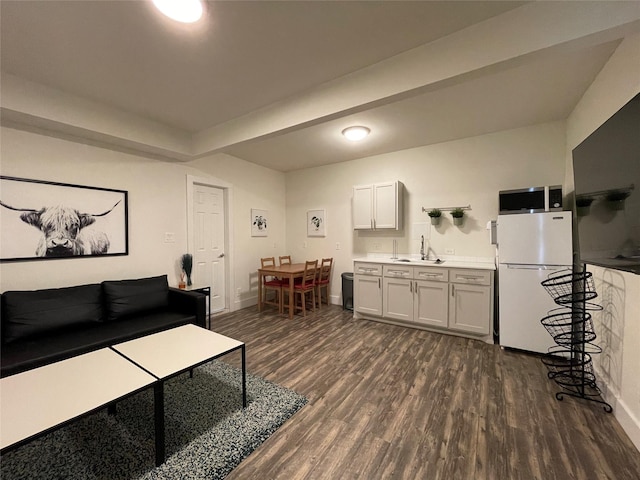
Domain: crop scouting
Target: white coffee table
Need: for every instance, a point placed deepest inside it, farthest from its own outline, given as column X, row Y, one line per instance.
column 37, row 401
column 172, row 352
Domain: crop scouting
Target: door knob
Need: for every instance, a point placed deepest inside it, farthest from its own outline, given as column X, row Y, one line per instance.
column 221, row 255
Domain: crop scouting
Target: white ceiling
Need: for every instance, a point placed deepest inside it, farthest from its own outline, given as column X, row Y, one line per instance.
column 248, row 57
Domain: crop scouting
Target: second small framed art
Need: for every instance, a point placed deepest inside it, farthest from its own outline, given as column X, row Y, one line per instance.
column 316, row 223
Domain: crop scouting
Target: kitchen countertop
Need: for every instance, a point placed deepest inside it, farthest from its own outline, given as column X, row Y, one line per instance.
column 448, row 261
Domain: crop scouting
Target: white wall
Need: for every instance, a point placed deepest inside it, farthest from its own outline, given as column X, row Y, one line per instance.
column 253, row 187
column 458, row 173
column 157, row 204
column 469, row 171
column 618, row 325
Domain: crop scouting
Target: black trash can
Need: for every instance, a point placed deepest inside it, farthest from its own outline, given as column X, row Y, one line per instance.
column 347, row 291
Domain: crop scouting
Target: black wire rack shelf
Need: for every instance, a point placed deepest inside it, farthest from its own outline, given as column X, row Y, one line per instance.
column 570, row 362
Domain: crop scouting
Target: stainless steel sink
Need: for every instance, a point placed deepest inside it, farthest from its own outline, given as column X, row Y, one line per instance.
column 420, row 262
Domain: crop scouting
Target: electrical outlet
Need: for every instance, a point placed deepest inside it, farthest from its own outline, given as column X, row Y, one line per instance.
column 169, row 237
column 337, row 245
column 449, row 251
column 304, row 244
column 376, row 247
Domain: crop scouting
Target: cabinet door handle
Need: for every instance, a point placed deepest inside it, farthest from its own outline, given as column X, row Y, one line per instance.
column 401, row 273
column 453, row 289
column 378, row 283
column 411, row 287
column 367, row 270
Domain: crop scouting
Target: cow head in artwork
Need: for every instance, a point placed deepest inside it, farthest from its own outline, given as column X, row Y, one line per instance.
column 62, row 229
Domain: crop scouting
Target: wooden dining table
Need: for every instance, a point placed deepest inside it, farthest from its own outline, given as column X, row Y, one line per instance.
column 290, row 271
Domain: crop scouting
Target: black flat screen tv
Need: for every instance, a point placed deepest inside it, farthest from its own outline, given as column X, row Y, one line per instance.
column 606, row 168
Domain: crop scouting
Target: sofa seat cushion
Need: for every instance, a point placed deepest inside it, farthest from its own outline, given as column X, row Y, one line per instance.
column 124, row 298
column 29, row 314
column 36, row 352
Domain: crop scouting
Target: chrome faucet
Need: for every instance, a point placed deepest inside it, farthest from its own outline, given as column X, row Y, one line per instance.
column 422, row 256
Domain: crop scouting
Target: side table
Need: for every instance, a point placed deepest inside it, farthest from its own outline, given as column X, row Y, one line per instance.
column 205, row 290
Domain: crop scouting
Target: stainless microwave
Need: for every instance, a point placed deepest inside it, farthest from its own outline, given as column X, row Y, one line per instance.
column 531, row 200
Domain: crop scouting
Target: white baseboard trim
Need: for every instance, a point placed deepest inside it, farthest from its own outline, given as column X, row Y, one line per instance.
column 253, row 301
column 628, row 421
column 246, row 302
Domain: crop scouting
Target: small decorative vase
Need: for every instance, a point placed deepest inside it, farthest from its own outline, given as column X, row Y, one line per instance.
column 435, row 220
column 181, row 285
column 457, row 220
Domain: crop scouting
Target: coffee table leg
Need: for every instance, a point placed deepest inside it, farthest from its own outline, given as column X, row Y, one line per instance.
column 158, row 400
column 244, row 378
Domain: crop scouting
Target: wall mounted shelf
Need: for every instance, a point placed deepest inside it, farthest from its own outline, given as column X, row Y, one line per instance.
column 444, row 209
column 622, row 192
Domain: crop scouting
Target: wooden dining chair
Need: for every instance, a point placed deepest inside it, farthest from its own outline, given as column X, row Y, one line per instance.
column 285, row 260
column 306, row 286
column 271, row 283
column 323, row 280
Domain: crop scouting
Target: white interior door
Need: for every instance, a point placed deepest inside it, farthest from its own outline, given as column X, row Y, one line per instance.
column 209, row 237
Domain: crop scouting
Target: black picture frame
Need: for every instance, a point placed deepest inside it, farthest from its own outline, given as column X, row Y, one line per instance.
column 43, row 220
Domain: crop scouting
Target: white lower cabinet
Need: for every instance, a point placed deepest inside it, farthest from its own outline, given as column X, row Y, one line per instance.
column 367, row 288
column 466, row 307
column 406, row 296
column 397, row 301
column 470, row 304
column 431, row 303
column 453, row 300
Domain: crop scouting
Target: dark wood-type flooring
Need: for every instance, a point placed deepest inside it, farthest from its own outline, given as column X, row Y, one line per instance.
column 388, row 402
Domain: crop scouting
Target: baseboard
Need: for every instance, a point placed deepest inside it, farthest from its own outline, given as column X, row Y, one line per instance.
column 626, row 418
column 253, row 301
column 628, row 422
column 245, row 302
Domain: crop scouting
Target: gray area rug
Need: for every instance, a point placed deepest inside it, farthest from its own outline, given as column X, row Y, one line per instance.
column 207, row 432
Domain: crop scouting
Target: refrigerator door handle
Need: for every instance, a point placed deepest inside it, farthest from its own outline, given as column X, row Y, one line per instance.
column 535, row 267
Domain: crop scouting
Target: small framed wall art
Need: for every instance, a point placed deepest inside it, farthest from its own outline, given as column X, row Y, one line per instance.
column 41, row 220
column 259, row 225
column 316, row 223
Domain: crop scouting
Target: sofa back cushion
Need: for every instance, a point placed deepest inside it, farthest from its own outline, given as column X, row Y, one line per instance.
column 27, row 314
column 128, row 297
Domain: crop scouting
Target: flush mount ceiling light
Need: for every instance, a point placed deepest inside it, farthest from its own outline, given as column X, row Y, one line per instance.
column 355, row 133
column 185, row 11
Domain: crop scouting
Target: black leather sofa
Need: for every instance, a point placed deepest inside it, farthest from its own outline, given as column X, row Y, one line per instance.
column 43, row 326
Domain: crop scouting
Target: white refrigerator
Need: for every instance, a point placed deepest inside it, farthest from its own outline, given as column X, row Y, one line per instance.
column 530, row 247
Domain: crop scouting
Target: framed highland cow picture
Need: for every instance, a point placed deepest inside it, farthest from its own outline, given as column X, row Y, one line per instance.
column 41, row 220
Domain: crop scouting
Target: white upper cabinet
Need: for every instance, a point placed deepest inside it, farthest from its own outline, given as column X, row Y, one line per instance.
column 378, row 206
column 363, row 207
